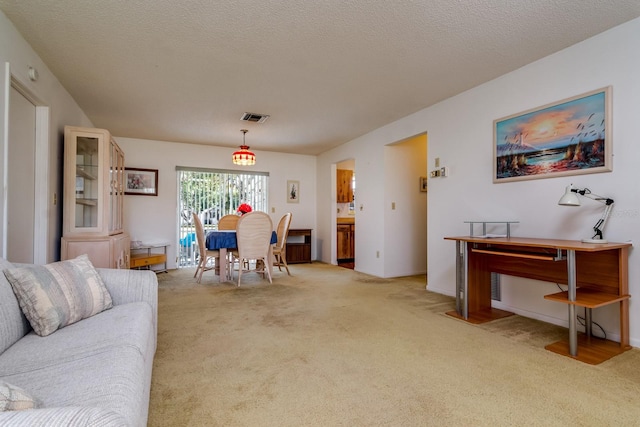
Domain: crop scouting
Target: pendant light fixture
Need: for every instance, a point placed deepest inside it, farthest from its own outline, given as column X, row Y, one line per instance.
column 243, row 156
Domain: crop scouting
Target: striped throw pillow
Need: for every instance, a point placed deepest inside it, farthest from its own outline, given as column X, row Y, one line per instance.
column 55, row 295
column 13, row 398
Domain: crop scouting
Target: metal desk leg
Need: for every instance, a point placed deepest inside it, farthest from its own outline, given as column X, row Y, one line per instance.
column 462, row 306
column 571, row 279
column 587, row 322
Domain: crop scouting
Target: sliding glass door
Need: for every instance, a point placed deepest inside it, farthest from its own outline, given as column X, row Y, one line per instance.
column 211, row 194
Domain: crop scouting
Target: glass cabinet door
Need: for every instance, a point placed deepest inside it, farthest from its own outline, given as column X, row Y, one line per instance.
column 87, row 201
column 116, row 187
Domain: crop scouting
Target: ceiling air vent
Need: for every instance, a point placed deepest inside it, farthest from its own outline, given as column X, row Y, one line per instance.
column 253, row 117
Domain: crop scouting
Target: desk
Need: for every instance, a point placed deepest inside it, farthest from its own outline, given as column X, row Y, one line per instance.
column 221, row 240
column 596, row 275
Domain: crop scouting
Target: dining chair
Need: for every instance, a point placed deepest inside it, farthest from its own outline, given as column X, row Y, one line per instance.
column 253, row 234
column 228, row 222
column 207, row 257
column 280, row 248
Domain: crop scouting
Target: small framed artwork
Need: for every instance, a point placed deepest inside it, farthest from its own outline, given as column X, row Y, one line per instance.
column 142, row 182
column 423, row 184
column 568, row 137
column 293, row 191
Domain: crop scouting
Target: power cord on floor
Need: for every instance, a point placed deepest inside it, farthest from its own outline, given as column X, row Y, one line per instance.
column 583, row 322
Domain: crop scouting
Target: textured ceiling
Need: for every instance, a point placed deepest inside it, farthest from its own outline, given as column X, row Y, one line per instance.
column 327, row 71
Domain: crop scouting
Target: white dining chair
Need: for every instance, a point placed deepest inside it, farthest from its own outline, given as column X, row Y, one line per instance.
column 280, row 248
column 207, row 258
column 253, row 234
column 228, row 222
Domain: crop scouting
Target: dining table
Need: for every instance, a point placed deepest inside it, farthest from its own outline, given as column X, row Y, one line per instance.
column 225, row 240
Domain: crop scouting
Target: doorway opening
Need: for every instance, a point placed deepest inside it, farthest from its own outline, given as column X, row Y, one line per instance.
column 405, row 206
column 346, row 214
column 25, row 223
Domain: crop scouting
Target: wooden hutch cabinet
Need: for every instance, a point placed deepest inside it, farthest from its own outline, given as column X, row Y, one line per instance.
column 93, row 193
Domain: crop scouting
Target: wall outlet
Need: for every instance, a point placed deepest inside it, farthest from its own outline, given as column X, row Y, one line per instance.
column 377, row 254
column 393, row 206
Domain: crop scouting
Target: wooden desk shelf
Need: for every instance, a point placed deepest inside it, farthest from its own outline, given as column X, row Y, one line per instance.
column 591, row 350
column 588, row 298
column 528, row 255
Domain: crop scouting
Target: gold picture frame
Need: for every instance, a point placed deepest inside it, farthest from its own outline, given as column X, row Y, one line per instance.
column 568, row 137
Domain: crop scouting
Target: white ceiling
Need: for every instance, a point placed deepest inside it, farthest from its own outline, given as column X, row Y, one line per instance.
column 327, row 71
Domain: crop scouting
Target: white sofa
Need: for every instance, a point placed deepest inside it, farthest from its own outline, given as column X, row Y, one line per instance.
column 95, row 372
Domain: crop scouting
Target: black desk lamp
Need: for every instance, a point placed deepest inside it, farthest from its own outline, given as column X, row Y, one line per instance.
column 571, row 198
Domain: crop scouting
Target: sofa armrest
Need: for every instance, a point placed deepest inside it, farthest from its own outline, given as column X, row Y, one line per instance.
column 71, row 416
column 127, row 286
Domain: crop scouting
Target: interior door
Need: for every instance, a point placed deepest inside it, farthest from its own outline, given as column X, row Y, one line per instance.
column 21, row 178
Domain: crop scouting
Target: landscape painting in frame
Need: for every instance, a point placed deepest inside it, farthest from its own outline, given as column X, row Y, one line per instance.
column 569, row 137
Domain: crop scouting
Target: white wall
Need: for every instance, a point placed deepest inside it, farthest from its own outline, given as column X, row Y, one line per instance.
column 154, row 219
column 460, row 133
column 15, row 51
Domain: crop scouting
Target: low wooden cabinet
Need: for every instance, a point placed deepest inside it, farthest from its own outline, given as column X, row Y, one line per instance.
column 103, row 251
column 299, row 245
column 346, row 241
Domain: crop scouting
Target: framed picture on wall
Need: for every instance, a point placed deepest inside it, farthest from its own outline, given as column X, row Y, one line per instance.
column 142, row 182
column 293, row 191
column 568, row 137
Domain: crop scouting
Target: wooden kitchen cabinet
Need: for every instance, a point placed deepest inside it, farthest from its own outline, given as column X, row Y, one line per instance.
column 346, row 241
column 344, row 186
column 93, row 194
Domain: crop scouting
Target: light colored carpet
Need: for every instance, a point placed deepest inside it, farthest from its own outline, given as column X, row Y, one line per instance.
column 333, row 347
